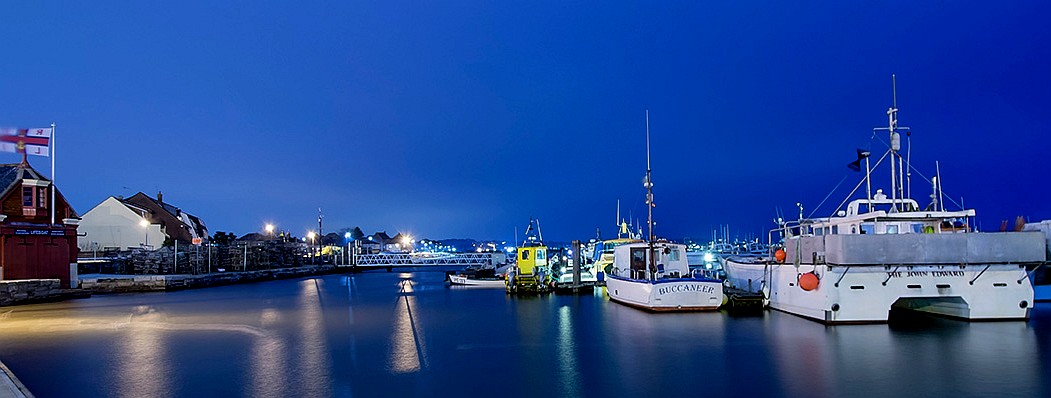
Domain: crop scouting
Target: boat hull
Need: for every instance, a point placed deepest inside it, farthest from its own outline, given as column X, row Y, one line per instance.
column 867, row 293
column 749, row 276
column 460, row 280
column 676, row 294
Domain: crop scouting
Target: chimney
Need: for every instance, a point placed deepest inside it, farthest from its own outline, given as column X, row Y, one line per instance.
column 159, row 197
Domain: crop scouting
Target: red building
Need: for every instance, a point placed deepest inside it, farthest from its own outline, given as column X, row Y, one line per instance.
column 31, row 246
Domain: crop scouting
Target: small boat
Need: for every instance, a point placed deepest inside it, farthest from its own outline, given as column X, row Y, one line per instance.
column 461, row 280
column 655, row 275
column 530, row 274
column 746, row 272
column 477, row 277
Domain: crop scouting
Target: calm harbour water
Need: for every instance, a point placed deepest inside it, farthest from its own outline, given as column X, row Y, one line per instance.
column 408, row 334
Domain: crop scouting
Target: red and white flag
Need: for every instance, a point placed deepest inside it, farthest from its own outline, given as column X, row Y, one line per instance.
column 28, row 141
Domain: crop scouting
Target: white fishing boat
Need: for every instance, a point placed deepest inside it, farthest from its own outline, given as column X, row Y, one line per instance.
column 882, row 252
column 655, row 275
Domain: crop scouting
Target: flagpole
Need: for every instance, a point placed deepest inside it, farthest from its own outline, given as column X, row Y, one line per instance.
column 52, row 174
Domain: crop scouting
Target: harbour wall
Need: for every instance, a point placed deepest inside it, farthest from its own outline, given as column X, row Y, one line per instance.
column 25, row 291
column 153, row 283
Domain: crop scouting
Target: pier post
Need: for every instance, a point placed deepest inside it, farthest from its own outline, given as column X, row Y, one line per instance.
column 576, row 263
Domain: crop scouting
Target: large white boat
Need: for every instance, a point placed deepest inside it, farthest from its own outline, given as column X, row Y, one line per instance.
column 885, row 252
column 655, row 275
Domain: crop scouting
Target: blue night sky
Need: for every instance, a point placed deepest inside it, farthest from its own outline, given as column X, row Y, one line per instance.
column 466, row 118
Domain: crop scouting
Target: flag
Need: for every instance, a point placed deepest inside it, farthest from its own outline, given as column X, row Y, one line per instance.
column 856, row 165
column 27, row 141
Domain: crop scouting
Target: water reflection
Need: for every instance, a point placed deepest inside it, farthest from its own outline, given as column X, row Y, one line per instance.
column 936, row 358
column 568, row 373
column 386, row 334
column 407, row 351
column 142, row 356
column 268, row 352
column 313, row 359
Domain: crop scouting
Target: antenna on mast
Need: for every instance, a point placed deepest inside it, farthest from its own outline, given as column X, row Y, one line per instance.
column 649, row 183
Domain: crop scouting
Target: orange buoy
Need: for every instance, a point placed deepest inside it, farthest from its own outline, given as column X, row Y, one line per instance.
column 779, row 255
column 808, row 281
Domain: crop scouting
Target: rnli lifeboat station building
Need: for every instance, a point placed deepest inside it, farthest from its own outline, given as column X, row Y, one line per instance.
column 33, row 245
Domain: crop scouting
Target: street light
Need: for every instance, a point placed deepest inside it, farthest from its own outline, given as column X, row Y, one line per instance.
column 346, row 254
column 269, row 231
column 311, row 235
column 145, row 227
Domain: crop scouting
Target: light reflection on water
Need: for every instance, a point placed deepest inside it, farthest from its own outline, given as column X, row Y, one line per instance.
column 142, row 357
column 405, row 334
column 313, row 359
column 407, row 352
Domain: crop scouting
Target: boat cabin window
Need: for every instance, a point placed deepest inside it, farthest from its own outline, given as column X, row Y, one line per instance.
column 835, row 229
column 892, row 228
column 819, row 231
column 917, row 228
column 638, row 258
column 673, row 255
column 540, row 254
column 868, row 228
column 525, row 254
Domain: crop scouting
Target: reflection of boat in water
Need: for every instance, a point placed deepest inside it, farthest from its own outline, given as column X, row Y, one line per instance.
column 1040, row 275
column 884, row 252
column 655, row 275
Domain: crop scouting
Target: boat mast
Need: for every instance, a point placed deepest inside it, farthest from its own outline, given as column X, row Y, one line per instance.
column 897, row 176
column 648, row 183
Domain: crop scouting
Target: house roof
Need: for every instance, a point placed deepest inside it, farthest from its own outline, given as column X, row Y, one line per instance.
column 141, row 202
column 11, row 173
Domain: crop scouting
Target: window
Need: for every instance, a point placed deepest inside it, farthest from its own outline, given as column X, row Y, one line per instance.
column 27, row 196
column 525, row 254
column 540, row 254
column 868, row 228
column 892, row 228
column 835, row 229
column 674, row 255
column 820, row 231
column 41, row 198
column 638, row 258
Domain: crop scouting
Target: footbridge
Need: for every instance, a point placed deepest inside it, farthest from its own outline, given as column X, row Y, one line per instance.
column 428, row 259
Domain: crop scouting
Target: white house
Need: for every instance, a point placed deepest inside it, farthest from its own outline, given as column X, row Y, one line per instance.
column 138, row 221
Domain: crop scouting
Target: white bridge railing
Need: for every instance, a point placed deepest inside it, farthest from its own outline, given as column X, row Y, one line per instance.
column 411, row 259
